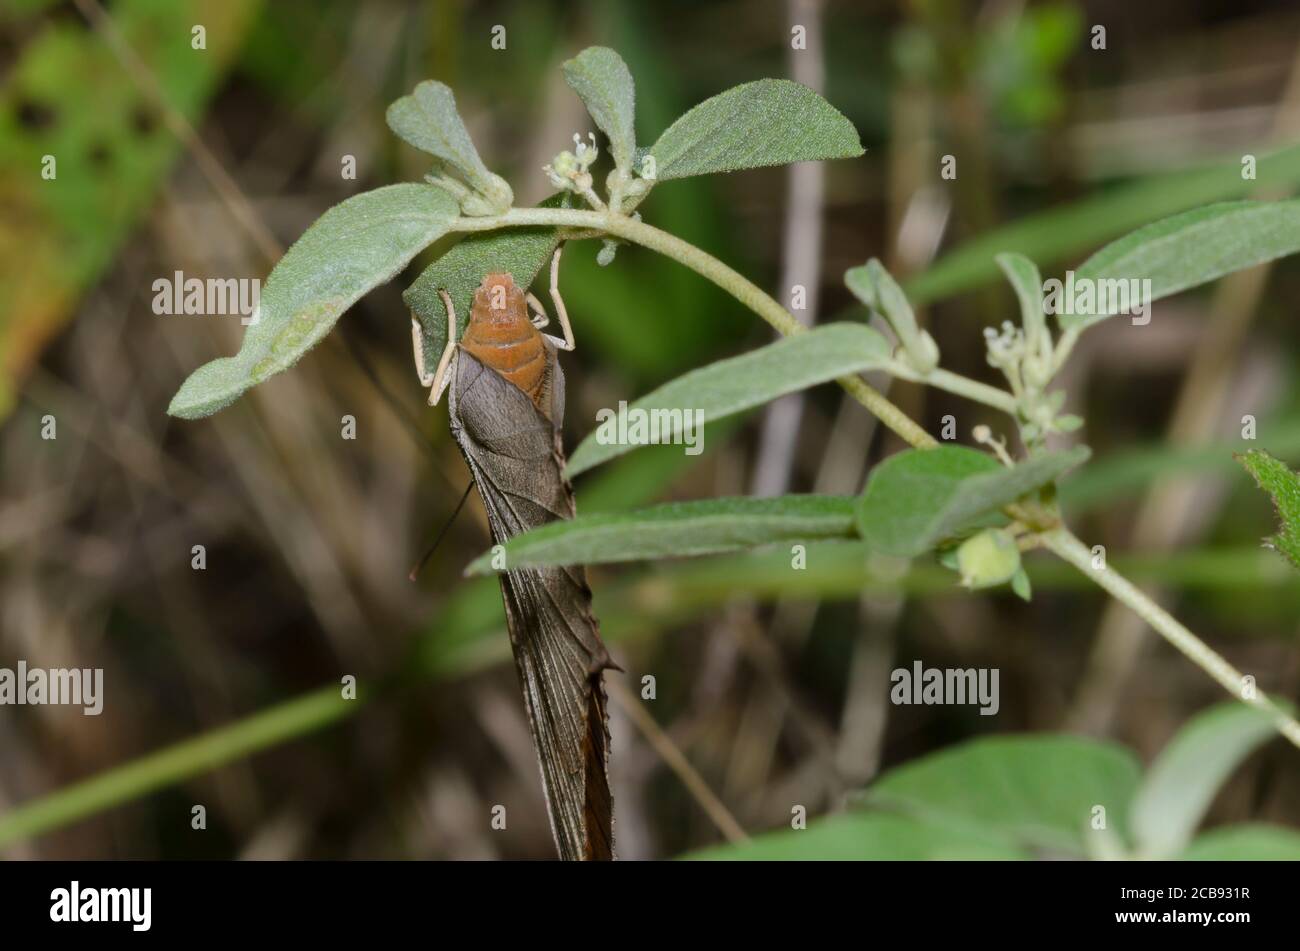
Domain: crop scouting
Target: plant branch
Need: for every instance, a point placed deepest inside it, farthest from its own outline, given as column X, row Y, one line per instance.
column 1059, row 540
column 704, row 264
column 1067, row 546
column 960, row 385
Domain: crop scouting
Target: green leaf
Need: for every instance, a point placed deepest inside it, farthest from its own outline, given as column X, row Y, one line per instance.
column 877, row 289
column 602, row 80
column 1194, row 248
column 1021, row 586
column 1036, row 792
column 677, row 529
column 428, row 120
column 862, row 836
column 872, row 284
column 768, row 122
column 1183, row 780
column 1252, row 842
column 1058, row 233
column 521, row 251
column 1028, row 283
column 1283, row 485
column 920, row 497
column 353, row 247
column 751, row 379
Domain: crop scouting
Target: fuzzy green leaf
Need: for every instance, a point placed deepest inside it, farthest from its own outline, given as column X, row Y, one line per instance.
column 1183, row 780
column 872, row 284
column 602, row 80
column 1194, row 248
column 428, row 120
column 1252, row 842
column 1283, row 485
column 353, row 247
column 677, row 529
column 740, row 383
column 1063, row 232
column 863, row 836
column 523, row 252
column 918, row 498
column 1028, row 283
column 877, row 289
column 768, row 122
column 1036, row 792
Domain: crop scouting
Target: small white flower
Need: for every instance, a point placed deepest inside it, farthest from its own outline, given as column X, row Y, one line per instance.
column 585, row 154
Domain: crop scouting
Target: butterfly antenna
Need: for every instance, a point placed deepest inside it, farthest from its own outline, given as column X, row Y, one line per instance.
column 415, row 572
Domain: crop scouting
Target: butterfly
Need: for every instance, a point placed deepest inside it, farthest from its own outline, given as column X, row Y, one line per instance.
column 506, row 409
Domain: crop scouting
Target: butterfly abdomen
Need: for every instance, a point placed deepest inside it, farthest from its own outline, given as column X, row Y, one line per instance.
column 502, row 337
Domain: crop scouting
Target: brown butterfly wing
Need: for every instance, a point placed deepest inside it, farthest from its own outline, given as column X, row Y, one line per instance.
column 515, row 456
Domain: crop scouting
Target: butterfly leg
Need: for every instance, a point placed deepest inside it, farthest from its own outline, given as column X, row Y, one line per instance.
column 417, row 345
column 441, row 378
column 565, row 343
column 539, row 319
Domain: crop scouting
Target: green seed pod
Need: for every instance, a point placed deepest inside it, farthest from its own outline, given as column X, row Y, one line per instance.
column 988, row 559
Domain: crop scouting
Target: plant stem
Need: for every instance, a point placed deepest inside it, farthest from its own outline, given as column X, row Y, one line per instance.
column 960, row 385
column 1065, row 544
column 731, row 281
column 271, row 727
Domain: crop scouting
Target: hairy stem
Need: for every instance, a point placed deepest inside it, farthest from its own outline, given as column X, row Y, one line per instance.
column 1064, row 543
column 731, row 281
column 942, row 379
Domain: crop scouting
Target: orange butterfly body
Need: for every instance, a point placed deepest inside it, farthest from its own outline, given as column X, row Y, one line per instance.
column 501, row 336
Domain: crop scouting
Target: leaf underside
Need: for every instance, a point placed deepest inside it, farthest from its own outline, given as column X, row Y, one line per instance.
column 352, row 248
column 678, row 529
column 523, row 252
column 743, row 382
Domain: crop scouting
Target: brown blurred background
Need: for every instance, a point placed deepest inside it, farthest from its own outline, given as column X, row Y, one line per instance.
column 773, row 687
